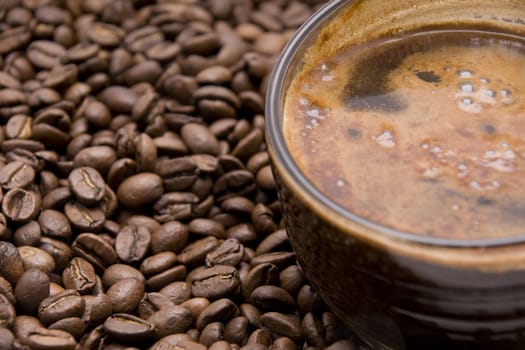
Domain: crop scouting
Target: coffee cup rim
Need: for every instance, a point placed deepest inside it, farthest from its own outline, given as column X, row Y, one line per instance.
column 275, row 95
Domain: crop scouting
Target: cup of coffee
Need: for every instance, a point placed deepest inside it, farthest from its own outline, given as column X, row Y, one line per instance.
column 396, row 132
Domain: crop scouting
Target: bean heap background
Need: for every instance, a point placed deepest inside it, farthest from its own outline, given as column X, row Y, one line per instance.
column 138, row 205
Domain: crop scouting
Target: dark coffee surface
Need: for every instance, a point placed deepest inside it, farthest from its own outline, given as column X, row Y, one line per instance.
column 138, row 209
column 422, row 134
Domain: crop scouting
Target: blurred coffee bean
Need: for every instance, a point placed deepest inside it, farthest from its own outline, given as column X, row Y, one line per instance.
column 31, row 289
column 11, row 266
column 128, row 328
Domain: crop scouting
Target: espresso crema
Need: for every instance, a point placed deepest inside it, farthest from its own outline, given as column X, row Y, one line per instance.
column 423, row 133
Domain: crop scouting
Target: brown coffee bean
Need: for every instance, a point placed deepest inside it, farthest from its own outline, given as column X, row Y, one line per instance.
column 279, row 259
column 128, row 328
column 177, row 292
column 151, row 303
column 59, row 251
column 259, row 337
column 248, row 145
column 125, row 294
column 195, row 253
column 48, row 339
column 171, row 320
column 220, row 345
column 215, row 282
column 87, row 185
column 118, row 99
column 46, row 54
column 57, row 198
column 105, row 34
column 7, row 312
column 66, row 304
column 177, row 173
column 272, row 297
column 11, row 265
column 120, row 170
column 79, row 275
column 260, row 275
column 116, row 272
column 7, row 338
column 199, row 139
column 308, row 300
column 211, row 333
column 140, row 190
column 97, row 309
column 236, row 330
column 292, row 279
column 206, row 227
column 282, row 324
column 132, row 244
column 230, row 252
column 21, row 205
column 54, row 224
column 234, row 183
column 16, row 174
column 84, row 218
column 176, row 206
column 100, row 158
column 33, row 257
column 221, row 310
column 7, row 290
column 95, row 250
column 31, row 289
column 195, row 305
column 72, row 325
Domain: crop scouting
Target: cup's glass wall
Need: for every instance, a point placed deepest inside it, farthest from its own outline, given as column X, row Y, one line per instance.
column 394, row 290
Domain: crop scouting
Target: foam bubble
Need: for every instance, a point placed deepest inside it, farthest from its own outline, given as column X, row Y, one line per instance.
column 465, row 73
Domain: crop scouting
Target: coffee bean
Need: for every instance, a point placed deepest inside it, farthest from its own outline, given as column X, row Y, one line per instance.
column 59, row 251
column 120, row 170
column 54, row 224
column 46, row 54
column 195, row 253
column 16, row 175
column 211, row 333
column 44, row 339
column 176, row 206
column 95, row 250
column 7, row 338
column 282, row 324
column 84, row 218
column 7, row 290
column 206, row 227
column 79, row 275
column 196, row 306
column 308, row 300
column 132, row 244
column 116, row 272
column 236, row 330
column 259, row 338
column 31, row 289
column 97, row 309
column 125, row 294
column 66, row 304
column 272, row 297
column 230, row 252
column 177, row 292
column 100, row 158
column 118, row 99
column 21, row 205
column 105, row 34
column 11, row 265
column 234, row 183
column 7, row 312
column 220, row 345
column 262, row 274
column 279, row 259
column 140, row 190
column 128, row 328
column 219, row 311
column 87, row 185
column 292, row 279
column 171, row 320
column 72, row 325
column 162, row 279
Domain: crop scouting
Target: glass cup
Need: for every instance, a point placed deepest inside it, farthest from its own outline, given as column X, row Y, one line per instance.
column 396, row 289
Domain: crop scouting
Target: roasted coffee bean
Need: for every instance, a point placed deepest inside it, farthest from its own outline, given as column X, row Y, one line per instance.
column 11, row 265
column 200, row 139
column 162, row 279
column 98, row 157
column 95, row 250
column 57, row 198
column 87, row 185
column 262, row 274
column 132, row 244
column 279, row 259
column 125, row 294
column 308, row 300
column 66, row 304
column 272, row 297
column 72, row 325
column 7, row 312
column 171, row 320
column 46, row 54
column 178, row 173
column 31, row 289
column 292, row 279
column 128, row 328
column 21, row 205
column 195, row 253
column 84, row 218
column 16, row 174
column 211, row 333
column 59, row 251
column 176, row 206
column 260, row 337
column 7, row 290
column 206, row 227
column 140, row 190
column 97, row 309
column 54, row 224
column 119, row 99
column 7, row 338
column 120, row 170
column 221, row 310
column 116, row 272
column 196, row 305
column 230, row 252
column 43, row 339
column 79, row 275
column 177, row 292
column 236, row 330
column 282, row 324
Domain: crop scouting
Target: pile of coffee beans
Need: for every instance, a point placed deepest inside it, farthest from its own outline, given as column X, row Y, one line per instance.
column 138, row 207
